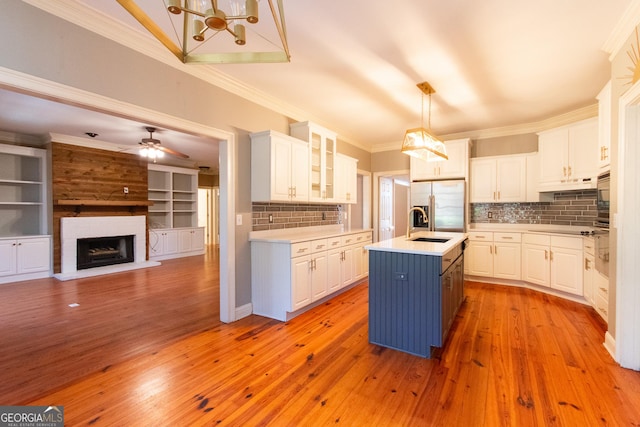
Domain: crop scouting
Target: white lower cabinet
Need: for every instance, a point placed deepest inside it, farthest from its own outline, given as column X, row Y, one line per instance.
column 601, row 291
column 588, row 273
column 494, row 255
column 24, row 258
column 175, row 242
column 553, row 261
column 286, row 277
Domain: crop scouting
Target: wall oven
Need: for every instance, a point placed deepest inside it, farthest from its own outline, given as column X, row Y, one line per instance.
column 603, row 199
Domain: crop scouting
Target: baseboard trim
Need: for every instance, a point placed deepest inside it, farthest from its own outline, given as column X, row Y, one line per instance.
column 244, row 311
column 610, row 344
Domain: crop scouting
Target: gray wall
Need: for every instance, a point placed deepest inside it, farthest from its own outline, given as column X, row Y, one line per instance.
column 65, row 53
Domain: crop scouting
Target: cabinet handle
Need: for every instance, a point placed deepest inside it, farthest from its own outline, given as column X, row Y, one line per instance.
column 569, row 170
column 606, row 154
column 495, row 249
column 319, row 246
column 302, row 250
column 507, row 237
column 551, row 255
column 494, row 195
column 604, row 290
column 564, row 171
column 586, row 264
column 546, row 256
column 603, row 310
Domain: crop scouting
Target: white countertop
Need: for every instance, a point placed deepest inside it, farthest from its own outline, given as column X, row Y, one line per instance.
column 401, row 244
column 301, row 234
column 575, row 230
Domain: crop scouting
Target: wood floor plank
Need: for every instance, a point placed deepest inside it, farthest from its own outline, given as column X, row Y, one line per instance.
column 147, row 349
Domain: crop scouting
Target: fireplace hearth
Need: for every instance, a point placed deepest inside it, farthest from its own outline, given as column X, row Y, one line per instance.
column 101, row 251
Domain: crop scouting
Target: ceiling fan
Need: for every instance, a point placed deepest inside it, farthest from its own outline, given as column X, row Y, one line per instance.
column 151, row 147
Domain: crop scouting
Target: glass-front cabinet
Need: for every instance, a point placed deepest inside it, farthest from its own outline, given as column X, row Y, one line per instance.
column 322, row 145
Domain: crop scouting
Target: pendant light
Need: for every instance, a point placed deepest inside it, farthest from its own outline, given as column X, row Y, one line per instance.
column 420, row 142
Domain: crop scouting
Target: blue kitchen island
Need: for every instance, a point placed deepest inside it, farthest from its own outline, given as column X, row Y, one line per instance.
column 416, row 286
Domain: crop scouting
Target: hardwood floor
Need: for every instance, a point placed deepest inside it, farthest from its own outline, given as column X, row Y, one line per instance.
column 513, row 357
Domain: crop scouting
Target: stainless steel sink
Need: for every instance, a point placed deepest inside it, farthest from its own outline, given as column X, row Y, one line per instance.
column 430, row 239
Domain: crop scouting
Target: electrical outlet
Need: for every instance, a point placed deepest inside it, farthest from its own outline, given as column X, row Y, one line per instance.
column 490, row 215
column 270, row 218
column 238, row 219
column 126, row 190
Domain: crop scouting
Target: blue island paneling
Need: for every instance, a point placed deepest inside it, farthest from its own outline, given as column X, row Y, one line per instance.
column 405, row 298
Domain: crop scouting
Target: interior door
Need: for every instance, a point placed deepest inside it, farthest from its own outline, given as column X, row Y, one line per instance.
column 386, row 226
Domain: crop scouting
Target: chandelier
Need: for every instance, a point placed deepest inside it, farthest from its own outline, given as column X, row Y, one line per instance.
column 420, row 142
column 202, row 20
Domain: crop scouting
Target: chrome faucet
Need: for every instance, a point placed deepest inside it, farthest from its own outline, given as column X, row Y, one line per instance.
column 409, row 219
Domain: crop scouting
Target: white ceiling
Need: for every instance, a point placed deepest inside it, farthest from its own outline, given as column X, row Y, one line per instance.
column 355, row 65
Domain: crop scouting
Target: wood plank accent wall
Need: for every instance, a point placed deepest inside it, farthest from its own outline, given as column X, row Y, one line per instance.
column 82, row 173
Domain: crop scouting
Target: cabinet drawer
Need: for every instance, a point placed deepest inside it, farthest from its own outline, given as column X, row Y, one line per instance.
column 349, row 239
column 363, row 237
column 507, row 237
column 300, row 249
column 602, row 307
column 334, row 242
column 567, row 242
column 319, row 245
column 536, row 239
column 486, row 236
column 602, row 287
column 588, row 245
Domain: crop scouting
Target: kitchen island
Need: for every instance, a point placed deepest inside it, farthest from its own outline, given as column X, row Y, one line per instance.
column 416, row 286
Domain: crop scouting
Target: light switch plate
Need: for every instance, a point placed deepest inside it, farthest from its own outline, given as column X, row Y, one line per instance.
column 238, row 219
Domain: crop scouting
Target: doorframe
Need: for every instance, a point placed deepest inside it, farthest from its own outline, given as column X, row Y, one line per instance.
column 376, row 196
column 42, row 88
column 626, row 343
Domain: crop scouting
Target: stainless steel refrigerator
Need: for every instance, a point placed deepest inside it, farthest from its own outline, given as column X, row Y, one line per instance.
column 444, row 203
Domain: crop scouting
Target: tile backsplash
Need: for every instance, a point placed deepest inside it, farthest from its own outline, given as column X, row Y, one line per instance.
column 288, row 215
column 567, row 208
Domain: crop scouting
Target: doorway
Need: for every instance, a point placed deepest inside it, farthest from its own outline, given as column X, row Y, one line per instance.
column 391, row 202
column 208, row 214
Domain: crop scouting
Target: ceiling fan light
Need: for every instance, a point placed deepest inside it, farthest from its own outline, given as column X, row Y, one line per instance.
column 159, row 153
column 144, row 152
column 216, row 20
column 173, row 6
column 239, row 31
column 252, row 11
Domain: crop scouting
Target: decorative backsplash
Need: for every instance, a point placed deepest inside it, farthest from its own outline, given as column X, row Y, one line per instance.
column 288, row 215
column 568, row 208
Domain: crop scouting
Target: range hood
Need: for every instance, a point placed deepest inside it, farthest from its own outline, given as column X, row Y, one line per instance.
column 555, row 187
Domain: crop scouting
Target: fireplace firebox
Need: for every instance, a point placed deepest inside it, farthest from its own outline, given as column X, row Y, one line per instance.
column 101, row 251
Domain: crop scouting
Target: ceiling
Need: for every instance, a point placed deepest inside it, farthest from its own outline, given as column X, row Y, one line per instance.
column 355, row 65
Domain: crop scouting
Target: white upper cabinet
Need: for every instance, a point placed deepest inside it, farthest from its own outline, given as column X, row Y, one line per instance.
column 457, row 166
column 279, row 168
column 322, row 152
column 604, row 127
column 568, row 156
column 346, row 185
column 498, row 179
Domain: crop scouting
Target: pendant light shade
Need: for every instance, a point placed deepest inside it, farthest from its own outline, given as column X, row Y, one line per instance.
column 421, row 142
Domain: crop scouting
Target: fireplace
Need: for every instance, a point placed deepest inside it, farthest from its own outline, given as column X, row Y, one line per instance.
column 100, row 251
column 112, row 255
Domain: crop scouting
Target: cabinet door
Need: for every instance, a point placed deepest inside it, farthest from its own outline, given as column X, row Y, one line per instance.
column 351, row 180
column 299, row 172
column 604, row 126
column 301, row 285
column 587, row 278
column 319, row 276
column 347, row 272
column 334, row 270
column 583, row 148
column 553, row 149
column 422, row 170
column 535, row 264
column 8, row 250
column 566, row 270
column 511, row 179
column 506, row 260
column 281, row 158
column 33, row 255
column 456, row 166
column 170, row 242
column 483, row 181
column 480, row 258
column 197, row 242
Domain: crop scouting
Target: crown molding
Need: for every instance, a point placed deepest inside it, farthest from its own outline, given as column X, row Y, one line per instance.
column 21, row 139
column 534, row 127
column 622, row 30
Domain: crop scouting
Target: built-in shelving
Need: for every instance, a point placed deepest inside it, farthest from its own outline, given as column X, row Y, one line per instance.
column 173, row 193
column 23, row 190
